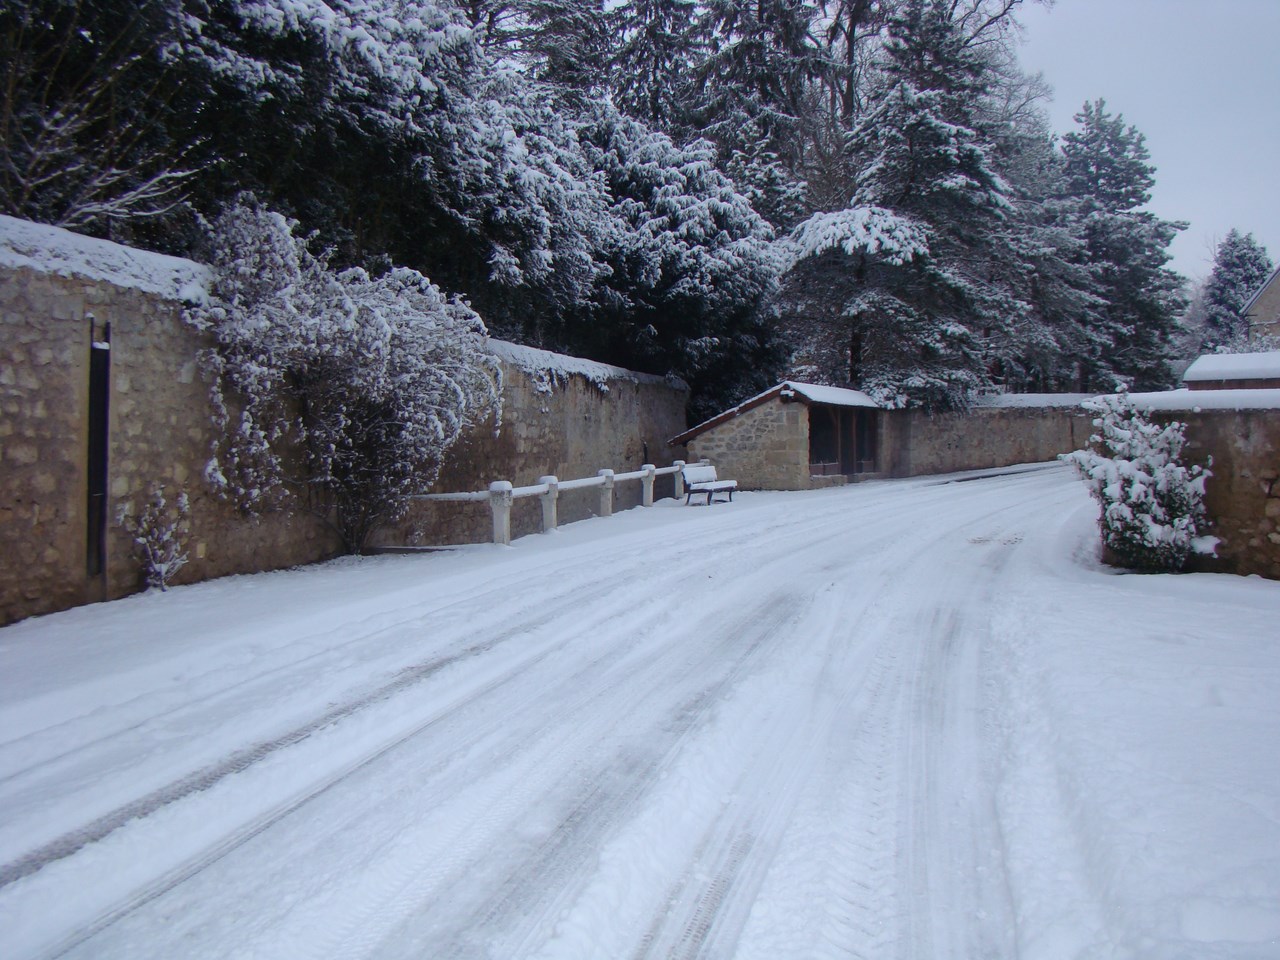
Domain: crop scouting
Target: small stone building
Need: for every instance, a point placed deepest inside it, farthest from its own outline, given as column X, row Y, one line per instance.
column 794, row 436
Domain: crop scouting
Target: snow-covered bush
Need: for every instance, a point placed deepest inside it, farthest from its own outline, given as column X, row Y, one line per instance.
column 343, row 387
column 159, row 531
column 1152, row 504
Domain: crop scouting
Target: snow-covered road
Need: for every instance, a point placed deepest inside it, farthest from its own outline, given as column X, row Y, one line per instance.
column 910, row 719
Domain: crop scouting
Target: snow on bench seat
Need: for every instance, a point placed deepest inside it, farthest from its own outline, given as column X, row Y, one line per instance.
column 701, row 478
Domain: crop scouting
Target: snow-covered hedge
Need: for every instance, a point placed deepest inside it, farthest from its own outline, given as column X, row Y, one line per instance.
column 365, row 380
column 1152, row 504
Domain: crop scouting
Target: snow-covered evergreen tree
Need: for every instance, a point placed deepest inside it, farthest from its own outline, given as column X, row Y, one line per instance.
column 339, row 392
column 928, row 200
column 1109, row 176
column 1043, row 258
column 751, row 96
column 562, row 45
column 1240, row 267
column 1152, row 505
column 690, row 259
column 653, row 61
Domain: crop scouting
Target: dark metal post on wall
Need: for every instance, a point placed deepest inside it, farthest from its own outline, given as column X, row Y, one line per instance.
column 99, row 420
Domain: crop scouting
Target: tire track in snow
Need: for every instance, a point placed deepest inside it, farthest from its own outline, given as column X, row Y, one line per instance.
column 840, row 889
column 526, row 896
column 950, row 862
column 258, row 826
column 788, row 539
column 201, row 780
column 315, row 791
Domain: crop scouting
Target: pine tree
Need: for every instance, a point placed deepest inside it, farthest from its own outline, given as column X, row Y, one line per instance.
column 85, row 92
column 1042, row 257
column 1240, row 267
column 1109, row 177
column 1152, row 504
column 752, row 97
column 652, row 65
column 751, row 85
column 690, row 262
column 926, row 210
column 560, row 44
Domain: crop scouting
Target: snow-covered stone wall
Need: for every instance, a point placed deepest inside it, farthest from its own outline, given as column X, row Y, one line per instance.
column 996, row 433
column 53, row 308
column 59, row 292
column 563, row 417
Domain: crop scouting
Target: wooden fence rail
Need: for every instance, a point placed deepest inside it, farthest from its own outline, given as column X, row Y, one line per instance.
column 501, row 494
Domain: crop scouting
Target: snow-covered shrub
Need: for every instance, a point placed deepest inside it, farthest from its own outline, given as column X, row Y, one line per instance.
column 344, row 387
column 159, row 531
column 1152, row 504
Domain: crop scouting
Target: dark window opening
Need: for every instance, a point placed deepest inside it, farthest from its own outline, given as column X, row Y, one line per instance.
column 824, row 441
column 865, row 441
column 99, row 408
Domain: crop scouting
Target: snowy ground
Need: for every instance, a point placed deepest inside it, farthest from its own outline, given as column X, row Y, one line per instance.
column 902, row 719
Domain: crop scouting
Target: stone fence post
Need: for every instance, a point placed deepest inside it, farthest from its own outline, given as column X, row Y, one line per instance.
column 678, row 476
column 549, row 515
column 606, row 493
column 500, row 502
column 646, row 484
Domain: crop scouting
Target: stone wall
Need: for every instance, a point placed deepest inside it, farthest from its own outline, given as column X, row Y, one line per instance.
column 561, row 417
column 767, row 447
column 915, row 443
column 58, row 293
column 763, row 448
column 1243, row 496
column 159, row 434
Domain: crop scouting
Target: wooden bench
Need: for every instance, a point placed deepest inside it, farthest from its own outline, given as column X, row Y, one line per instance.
column 701, row 478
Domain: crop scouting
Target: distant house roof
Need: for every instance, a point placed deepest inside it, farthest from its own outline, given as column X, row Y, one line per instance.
column 787, row 390
column 1261, row 290
column 1230, row 369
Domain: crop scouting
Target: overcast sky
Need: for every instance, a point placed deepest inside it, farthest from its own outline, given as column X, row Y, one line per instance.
column 1201, row 79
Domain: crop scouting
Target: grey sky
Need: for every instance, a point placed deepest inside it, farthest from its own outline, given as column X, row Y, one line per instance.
column 1201, row 79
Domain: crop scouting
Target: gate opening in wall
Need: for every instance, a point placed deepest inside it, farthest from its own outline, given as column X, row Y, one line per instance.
column 99, row 420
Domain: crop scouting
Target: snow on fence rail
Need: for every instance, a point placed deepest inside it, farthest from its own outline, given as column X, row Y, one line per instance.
column 502, row 493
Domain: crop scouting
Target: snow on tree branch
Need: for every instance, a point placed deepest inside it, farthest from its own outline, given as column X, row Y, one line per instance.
column 871, row 230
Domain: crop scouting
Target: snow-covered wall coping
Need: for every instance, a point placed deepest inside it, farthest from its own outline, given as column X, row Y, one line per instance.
column 541, row 363
column 54, row 250
column 1007, row 400
column 1234, row 366
column 1197, row 400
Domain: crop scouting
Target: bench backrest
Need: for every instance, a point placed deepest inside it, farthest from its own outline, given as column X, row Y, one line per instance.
column 699, row 473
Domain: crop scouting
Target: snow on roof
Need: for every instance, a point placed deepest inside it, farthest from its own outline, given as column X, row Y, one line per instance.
column 1005, row 400
column 54, row 250
column 1234, row 366
column 1197, row 400
column 788, row 389
column 834, row 396
column 541, row 363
